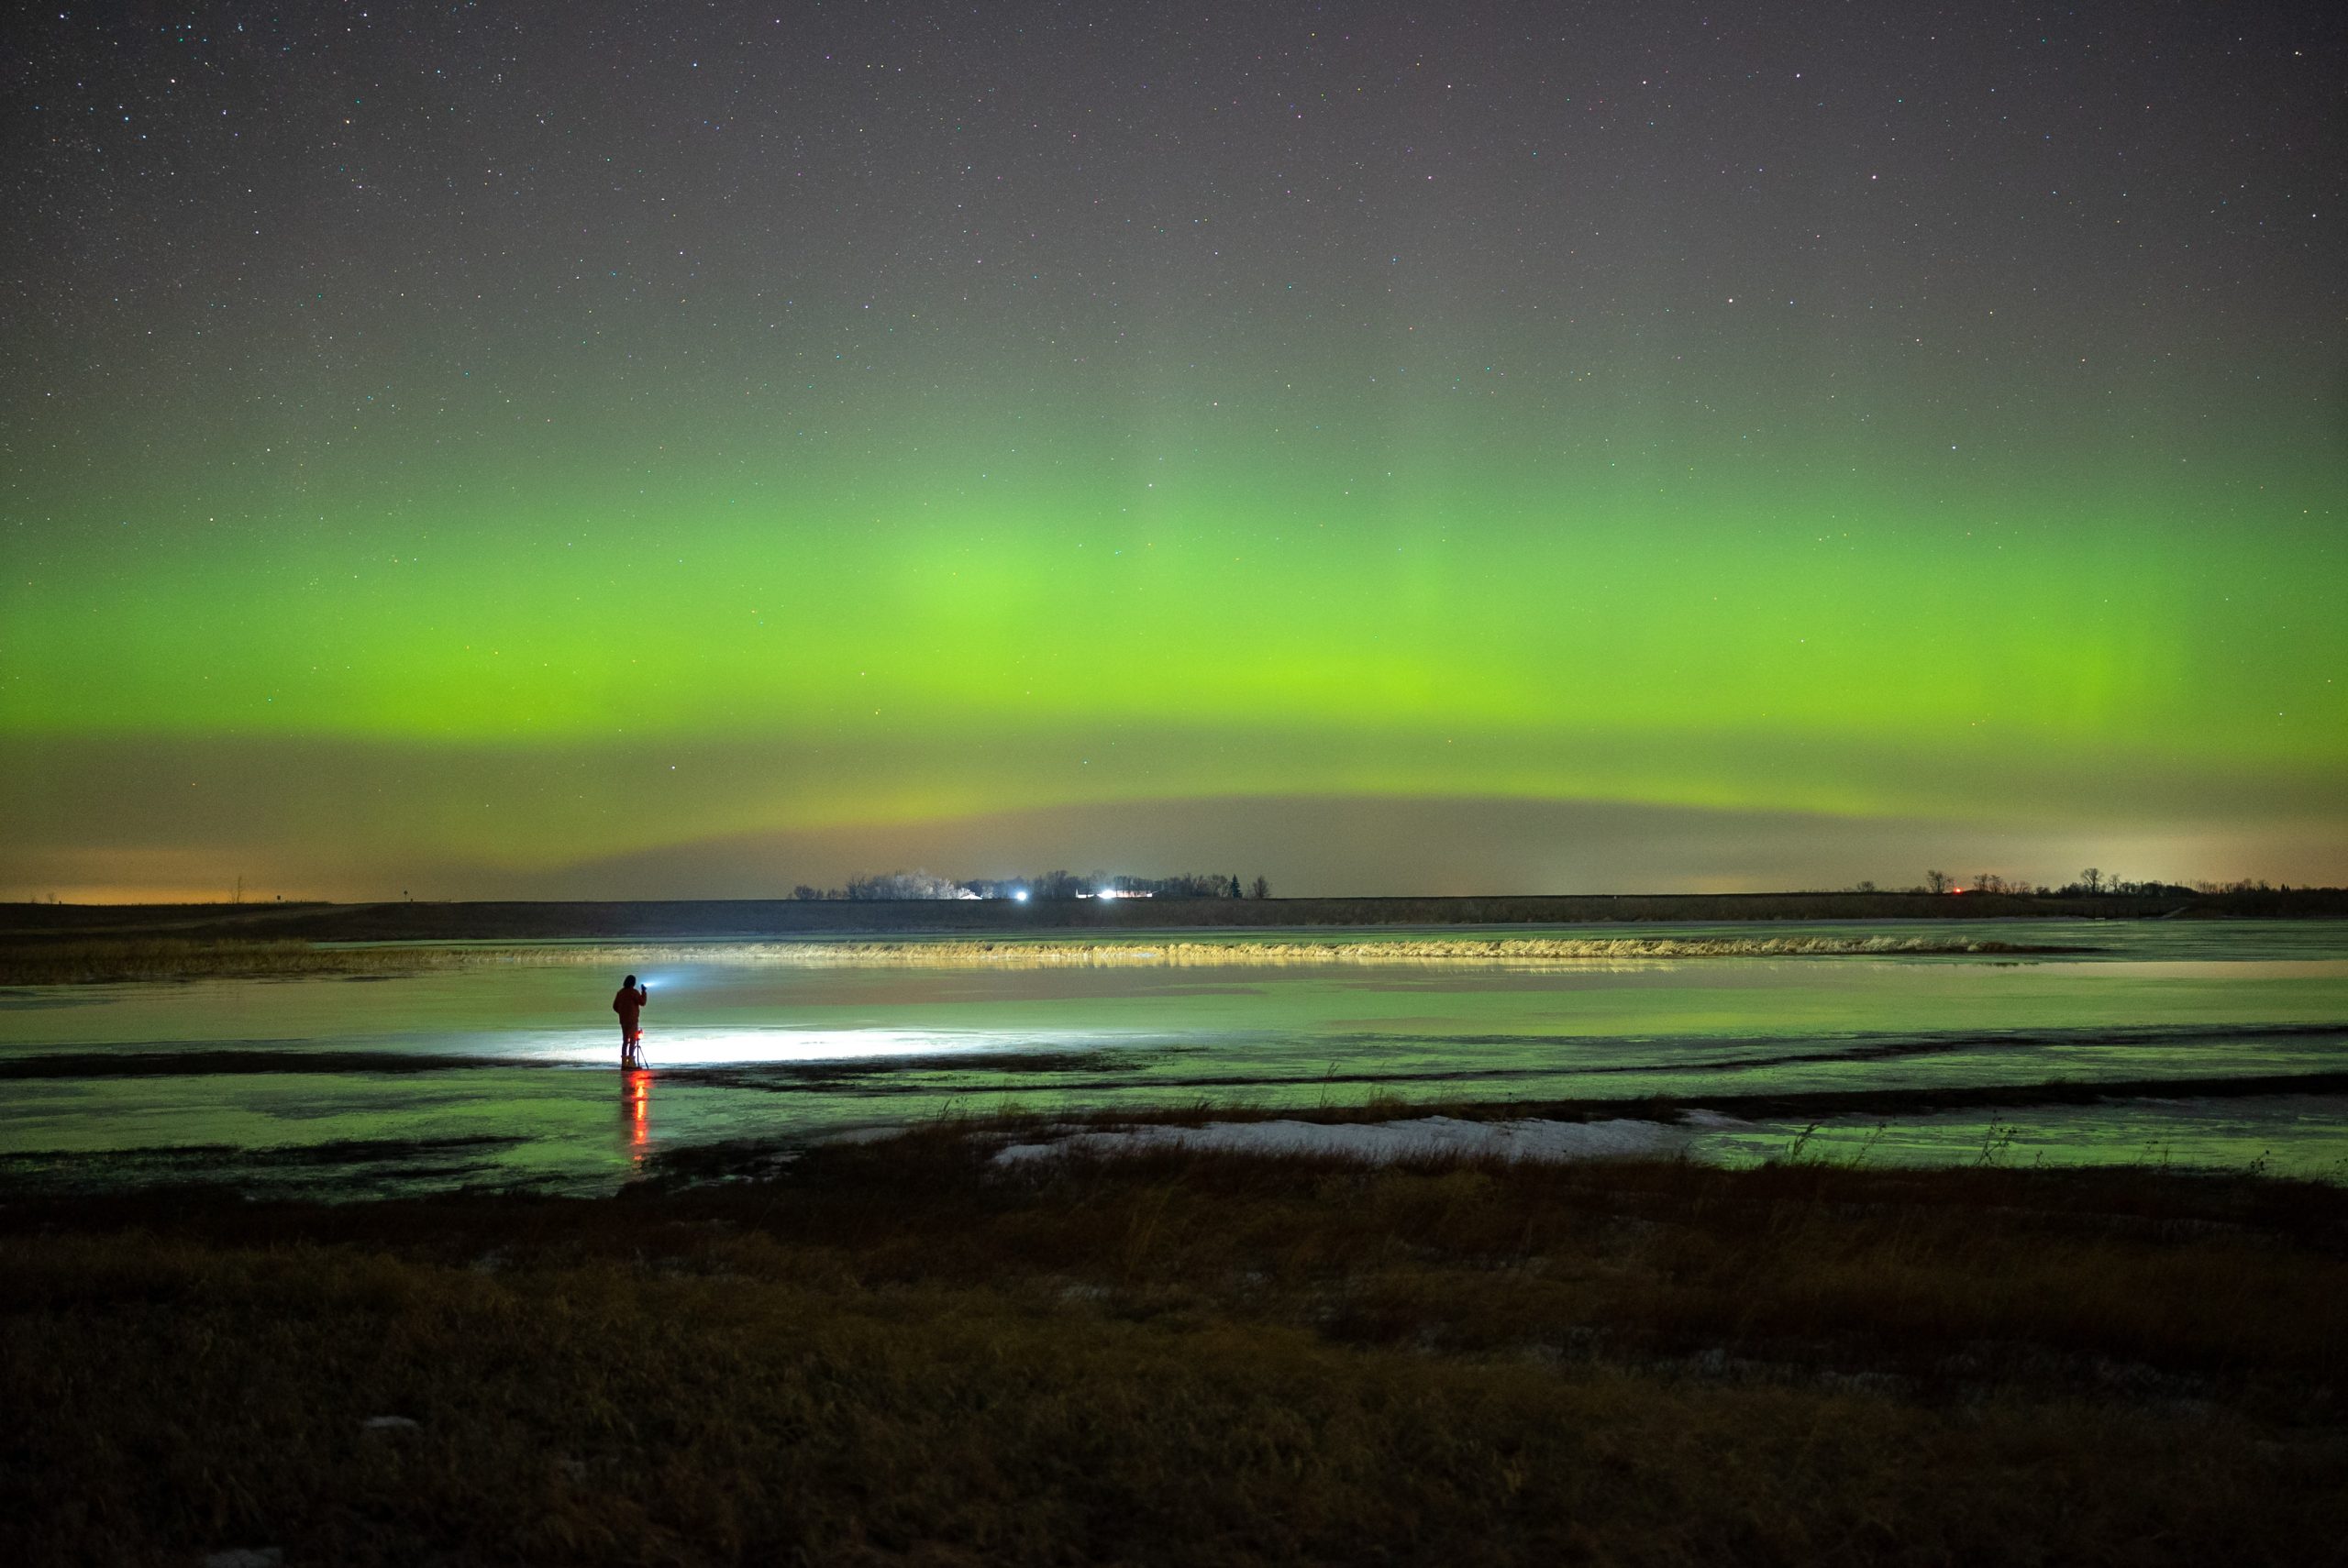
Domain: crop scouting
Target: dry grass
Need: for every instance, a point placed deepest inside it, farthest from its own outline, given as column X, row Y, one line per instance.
column 889, row 1356
column 1044, row 953
column 106, row 960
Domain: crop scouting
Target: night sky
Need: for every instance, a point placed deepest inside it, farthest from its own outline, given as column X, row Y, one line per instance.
column 609, row 450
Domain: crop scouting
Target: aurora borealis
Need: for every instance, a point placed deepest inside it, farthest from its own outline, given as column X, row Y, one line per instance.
column 649, row 450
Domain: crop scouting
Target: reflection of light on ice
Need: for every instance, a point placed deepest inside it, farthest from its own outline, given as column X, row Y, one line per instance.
column 638, row 1107
column 701, row 1046
column 746, row 1047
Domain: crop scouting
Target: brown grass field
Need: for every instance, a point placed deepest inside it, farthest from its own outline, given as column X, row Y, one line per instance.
column 892, row 1353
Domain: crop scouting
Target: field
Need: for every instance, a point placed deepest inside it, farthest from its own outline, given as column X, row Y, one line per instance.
column 899, row 1351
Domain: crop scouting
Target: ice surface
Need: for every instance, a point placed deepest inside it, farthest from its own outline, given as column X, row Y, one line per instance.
column 1380, row 1142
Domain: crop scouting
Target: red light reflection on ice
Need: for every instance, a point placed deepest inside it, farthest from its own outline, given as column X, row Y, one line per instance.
column 636, row 1106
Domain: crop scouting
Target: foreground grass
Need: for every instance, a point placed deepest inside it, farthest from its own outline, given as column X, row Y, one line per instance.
column 889, row 1354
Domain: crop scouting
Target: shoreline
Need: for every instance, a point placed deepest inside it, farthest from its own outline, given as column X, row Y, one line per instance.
column 753, row 919
column 68, row 943
column 104, row 960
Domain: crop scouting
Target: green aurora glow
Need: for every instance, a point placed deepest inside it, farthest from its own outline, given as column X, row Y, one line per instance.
column 467, row 591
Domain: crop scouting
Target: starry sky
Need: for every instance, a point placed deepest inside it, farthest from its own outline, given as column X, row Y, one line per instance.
column 626, row 450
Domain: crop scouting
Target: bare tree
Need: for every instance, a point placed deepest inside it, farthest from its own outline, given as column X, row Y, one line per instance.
column 905, row 884
column 1259, row 889
column 1936, row 881
column 2091, row 879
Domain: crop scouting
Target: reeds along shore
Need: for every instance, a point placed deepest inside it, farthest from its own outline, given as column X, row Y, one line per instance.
column 102, row 961
column 1046, row 954
column 164, row 958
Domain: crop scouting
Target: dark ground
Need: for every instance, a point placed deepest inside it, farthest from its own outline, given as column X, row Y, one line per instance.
column 892, row 1353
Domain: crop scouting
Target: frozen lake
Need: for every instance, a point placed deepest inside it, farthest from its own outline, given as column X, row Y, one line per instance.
column 503, row 1075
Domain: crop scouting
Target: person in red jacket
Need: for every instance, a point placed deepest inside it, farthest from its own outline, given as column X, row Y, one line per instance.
column 629, row 1005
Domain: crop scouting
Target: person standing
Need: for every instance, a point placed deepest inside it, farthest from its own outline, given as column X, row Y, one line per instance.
column 629, row 1005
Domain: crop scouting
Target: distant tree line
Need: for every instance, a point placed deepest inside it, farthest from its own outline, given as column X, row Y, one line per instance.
column 2092, row 883
column 891, row 885
column 900, row 885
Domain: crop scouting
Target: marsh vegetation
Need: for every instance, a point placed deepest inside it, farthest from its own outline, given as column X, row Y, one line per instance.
column 897, row 1352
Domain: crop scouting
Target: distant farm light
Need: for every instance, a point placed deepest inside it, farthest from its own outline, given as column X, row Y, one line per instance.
column 1019, row 895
